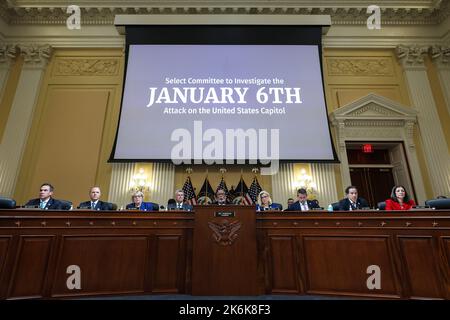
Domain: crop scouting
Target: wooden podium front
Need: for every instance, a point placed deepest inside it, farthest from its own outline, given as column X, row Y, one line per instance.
column 224, row 260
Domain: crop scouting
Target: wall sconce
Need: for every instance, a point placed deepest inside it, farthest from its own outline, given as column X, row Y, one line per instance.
column 305, row 181
column 139, row 182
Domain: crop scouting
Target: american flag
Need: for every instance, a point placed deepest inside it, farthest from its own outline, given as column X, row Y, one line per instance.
column 222, row 185
column 254, row 190
column 189, row 193
column 231, row 194
column 241, row 191
column 206, row 191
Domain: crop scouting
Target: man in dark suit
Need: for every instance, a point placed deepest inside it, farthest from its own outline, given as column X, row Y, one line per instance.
column 95, row 203
column 303, row 204
column 221, row 198
column 45, row 200
column 179, row 202
column 352, row 201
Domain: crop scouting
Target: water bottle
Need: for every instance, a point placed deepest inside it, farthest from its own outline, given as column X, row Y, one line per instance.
column 330, row 208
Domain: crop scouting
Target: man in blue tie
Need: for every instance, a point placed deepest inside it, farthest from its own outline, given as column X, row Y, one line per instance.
column 45, row 200
column 352, row 201
column 95, row 203
column 303, row 204
column 179, row 203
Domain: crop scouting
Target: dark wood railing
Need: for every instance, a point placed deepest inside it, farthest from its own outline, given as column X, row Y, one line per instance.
column 224, row 251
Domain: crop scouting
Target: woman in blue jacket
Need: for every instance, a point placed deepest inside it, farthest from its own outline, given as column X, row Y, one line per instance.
column 265, row 202
column 139, row 204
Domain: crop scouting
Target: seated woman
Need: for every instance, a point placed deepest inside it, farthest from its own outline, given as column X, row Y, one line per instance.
column 139, row 204
column 265, row 202
column 399, row 199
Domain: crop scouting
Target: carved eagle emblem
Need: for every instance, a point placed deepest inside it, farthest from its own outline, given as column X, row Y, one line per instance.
column 225, row 232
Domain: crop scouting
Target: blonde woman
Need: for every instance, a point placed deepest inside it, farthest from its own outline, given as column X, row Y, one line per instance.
column 265, row 202
column 138, row 203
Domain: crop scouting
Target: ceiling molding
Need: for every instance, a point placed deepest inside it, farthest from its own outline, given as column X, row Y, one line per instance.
column 349, row 12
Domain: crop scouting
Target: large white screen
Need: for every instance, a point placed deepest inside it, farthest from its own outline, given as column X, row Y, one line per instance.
column 223, row 87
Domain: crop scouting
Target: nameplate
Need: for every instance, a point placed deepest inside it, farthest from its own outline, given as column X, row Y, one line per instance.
column 224, row 214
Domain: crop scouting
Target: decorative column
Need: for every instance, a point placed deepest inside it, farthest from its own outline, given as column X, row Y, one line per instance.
column 7, row 55
column 411, row 154
column 323, row 176
column 163, row 182
column 20, row 117
column 283, row 184
column 119, row 189
column 441, row 58
column 431, row 133
column 342, row 151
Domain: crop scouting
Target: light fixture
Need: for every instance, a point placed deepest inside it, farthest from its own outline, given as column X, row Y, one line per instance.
column 139, row 182
column 305, row 182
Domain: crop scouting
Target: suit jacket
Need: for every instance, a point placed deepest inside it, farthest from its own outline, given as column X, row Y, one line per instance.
column 101, row 205
column 344, row 204
column 273, row 206
column 52, row 204
column 186, row 207
column 145, row 206
column 393, row 205
column 297, row 207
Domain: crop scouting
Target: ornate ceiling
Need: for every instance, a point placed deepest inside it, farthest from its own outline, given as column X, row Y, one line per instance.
column 346, row 12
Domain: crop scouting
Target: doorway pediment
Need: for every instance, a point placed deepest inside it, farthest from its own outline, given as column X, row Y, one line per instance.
column 373, row 107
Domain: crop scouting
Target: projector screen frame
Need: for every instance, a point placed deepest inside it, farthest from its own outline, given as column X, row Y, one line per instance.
column 255, row 26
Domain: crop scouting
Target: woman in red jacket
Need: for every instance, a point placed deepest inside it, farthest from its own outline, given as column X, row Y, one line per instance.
column 399, row 199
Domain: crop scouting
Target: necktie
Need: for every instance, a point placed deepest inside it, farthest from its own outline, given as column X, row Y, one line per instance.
column 93, row 205
column 42, row 205
column 353, row 206
column 179, row 206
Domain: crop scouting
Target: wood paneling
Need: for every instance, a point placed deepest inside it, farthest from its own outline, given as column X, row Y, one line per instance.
column 108, row 263
column 283, row 264
column 4, row 246
column 31, row 267
column 339, row 264
column 168, row 273
column 224, row 251
column 421, row 266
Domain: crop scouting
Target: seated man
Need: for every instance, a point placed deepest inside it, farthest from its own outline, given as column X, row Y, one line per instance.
column 221, row 198
column 179, row 202
column 45, row 200
column 289, row 203
column 95, row 203
column 139, row 204
column 352, row 201
column 303, row 204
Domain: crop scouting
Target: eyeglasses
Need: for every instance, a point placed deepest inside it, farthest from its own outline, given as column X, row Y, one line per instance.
column 266, row 196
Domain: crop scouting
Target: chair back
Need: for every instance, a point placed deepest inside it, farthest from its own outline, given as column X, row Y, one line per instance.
column 7, row 203
column 381, row 205
column 335, row 206
column 438, row 203
column 66, row 205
